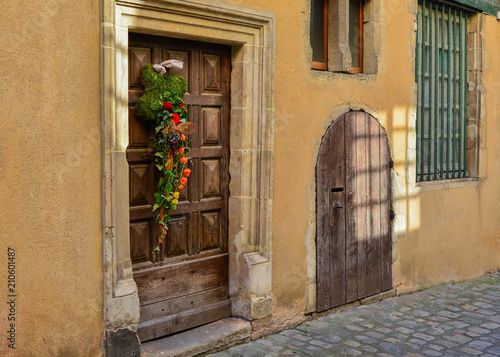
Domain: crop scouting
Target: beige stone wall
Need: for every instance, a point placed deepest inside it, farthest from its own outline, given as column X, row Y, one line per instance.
column 50, row 174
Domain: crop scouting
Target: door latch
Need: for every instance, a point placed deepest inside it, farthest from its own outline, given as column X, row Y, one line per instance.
column 337, row 205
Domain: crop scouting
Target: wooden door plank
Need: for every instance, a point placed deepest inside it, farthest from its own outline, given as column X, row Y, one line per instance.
column 181, row 321
column 351, row 234
column 361, row 204
column 373, row 257
column 212, row 100
column 167, row 282
column 385, row 216
column 337, row 214
column 183, row 303
column 323, row 264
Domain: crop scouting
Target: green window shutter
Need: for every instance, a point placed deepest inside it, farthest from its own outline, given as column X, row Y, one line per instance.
column 441, row 74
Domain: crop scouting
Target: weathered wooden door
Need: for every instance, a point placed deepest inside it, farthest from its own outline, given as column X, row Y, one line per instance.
column 186, row 285
column 353, row 212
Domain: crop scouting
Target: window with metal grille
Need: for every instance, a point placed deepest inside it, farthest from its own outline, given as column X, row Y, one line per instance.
column 441, row 74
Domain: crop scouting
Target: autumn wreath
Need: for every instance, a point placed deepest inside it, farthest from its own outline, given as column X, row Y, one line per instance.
column 163, row 106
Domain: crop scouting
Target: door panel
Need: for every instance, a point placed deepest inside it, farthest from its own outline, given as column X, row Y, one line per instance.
column 353, row 212
column 170, row 281
column 187, row 283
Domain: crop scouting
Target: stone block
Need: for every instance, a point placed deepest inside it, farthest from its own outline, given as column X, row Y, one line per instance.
column 372, row 41
column 122, row 342
column 475, row 22
column 379, row 297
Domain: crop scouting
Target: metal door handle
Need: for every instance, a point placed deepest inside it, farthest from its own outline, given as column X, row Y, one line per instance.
column 337, row 205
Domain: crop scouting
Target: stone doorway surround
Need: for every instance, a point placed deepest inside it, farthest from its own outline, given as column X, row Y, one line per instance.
column 251, row 33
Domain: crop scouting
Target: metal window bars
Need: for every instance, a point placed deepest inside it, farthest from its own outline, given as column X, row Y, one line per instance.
column 441, row 74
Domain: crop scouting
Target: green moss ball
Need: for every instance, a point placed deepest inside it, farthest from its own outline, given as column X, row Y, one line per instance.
column 151, row 79
column 149, row 105
column 176, row 83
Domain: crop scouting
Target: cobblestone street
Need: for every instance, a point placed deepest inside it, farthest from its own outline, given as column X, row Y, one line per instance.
column 461, row 319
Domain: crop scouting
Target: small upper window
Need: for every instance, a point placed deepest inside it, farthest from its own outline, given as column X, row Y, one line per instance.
column 346, row 31
column 319, row 33
column 356, row 35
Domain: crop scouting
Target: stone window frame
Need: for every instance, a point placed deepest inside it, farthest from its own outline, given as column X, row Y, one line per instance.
column 339, row 54
column 252, row 35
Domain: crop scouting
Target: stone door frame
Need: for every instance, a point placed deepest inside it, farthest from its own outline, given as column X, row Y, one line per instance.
column 251, row 33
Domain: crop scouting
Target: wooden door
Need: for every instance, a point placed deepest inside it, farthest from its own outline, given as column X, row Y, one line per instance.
column 186, row 285
column 353, row 212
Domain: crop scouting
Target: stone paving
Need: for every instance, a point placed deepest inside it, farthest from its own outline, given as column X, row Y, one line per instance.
column 460, row 319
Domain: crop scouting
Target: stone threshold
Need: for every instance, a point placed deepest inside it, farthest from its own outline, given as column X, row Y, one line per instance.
column 200, row 341
column 366, row 301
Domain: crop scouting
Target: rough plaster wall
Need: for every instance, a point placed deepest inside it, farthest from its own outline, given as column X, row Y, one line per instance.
column 453, row 234
column 50, row 174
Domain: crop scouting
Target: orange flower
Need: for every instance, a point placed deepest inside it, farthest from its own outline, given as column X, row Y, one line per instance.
column 184, row 180
column 187, row 172
column 184, row 160
column 183, row 137
column 180, row 187
column 181, row 150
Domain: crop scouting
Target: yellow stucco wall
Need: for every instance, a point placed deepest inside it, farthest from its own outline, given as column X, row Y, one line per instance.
column 50, row 167
column 50, row 174
column 454, row 234
column 443, row 235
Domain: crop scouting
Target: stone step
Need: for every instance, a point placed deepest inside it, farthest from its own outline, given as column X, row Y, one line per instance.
column 209, row 338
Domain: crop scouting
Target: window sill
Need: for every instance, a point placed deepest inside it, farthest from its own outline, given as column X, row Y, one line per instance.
column 319, row 66
column 343, row 73
column 447, row 184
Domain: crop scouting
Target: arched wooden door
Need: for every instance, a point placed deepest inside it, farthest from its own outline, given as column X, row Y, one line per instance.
column 354, row 248
column 186, row 285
